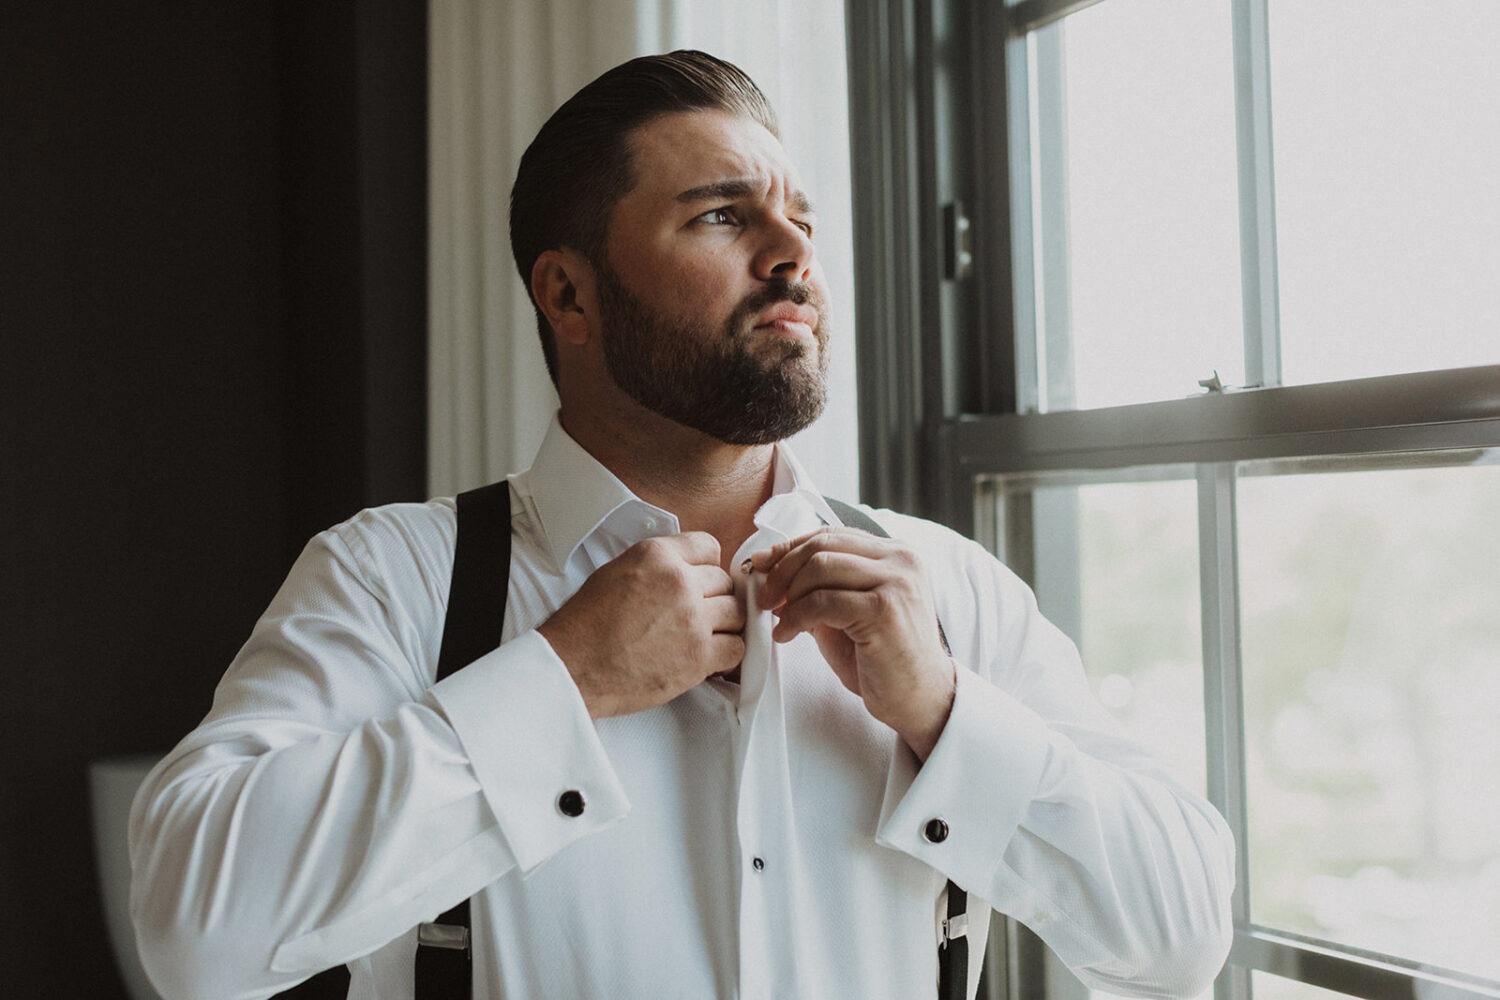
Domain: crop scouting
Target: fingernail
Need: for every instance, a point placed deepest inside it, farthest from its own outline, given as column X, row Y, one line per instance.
column 747, row 565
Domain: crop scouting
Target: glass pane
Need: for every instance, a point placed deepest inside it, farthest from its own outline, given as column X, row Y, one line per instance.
column 1371, row 635
column 1142, row 640
column 1136, row 203
column 1387, row 132
column 1117, row 568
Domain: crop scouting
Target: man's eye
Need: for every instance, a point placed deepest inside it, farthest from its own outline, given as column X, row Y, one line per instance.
column 718, row 217
column 805, row 225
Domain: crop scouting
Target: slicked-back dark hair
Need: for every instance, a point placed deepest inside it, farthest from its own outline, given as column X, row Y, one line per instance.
column 579, row 165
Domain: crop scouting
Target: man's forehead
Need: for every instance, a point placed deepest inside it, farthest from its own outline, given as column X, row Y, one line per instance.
column 701, row 155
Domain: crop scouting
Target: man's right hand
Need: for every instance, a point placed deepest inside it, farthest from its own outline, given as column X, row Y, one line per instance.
column 649, row 625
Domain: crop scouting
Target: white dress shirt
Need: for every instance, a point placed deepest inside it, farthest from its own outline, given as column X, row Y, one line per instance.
column 761, row 840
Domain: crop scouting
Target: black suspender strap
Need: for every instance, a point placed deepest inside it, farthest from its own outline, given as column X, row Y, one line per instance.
column 481, row 569
column 473, row 627
column 953, row 951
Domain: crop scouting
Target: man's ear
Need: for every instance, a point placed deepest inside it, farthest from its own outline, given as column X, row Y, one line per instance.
column 563, row 283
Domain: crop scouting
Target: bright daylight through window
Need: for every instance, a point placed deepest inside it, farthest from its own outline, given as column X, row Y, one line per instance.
column 1223, row 382
column 1385, row 133
column 1332, row 161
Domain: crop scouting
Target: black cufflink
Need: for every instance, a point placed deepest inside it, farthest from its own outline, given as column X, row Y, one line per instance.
column 571, row 803
column 936, row 830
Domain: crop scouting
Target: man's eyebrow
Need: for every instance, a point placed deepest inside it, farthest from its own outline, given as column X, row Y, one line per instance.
column 730, row 190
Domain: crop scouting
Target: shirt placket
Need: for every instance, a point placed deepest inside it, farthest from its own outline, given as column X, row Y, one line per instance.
column 764, row 813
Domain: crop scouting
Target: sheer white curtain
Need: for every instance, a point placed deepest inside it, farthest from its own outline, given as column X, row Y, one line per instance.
column 498, row 68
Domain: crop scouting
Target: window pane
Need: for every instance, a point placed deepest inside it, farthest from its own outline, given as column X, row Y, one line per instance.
column 1387, row 132
column 1136, row 207
column 1371, row 635
column 1117, row 569
column 1141, row 635
column 1130, row 554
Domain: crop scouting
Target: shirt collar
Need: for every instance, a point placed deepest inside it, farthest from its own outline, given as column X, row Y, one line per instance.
column 574, row 495
column 792, row 486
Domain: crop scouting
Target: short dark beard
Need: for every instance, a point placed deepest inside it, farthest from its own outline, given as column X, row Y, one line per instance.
column 712, row 380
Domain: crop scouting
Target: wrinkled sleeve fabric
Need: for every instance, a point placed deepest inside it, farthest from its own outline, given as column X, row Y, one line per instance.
column 1056, row 818
column 334, row 797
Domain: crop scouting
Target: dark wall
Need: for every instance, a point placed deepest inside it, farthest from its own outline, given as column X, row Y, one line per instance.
column 212, row 333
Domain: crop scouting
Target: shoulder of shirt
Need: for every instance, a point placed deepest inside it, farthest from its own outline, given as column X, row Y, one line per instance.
column 435, row 515
column 381, row 537
column 919, row 530
column 946, row 554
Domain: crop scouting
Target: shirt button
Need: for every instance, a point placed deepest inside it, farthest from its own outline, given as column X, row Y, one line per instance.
column 649, row 524
column 759, row 864
column 936, row 830
column 571, row 803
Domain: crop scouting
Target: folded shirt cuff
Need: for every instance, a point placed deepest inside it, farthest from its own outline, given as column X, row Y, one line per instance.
column 528, row 735
column 958, row 810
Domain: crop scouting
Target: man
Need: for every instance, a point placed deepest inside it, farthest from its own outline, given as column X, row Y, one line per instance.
column 721, row 750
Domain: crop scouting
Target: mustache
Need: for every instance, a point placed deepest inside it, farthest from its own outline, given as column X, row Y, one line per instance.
column 776, row 290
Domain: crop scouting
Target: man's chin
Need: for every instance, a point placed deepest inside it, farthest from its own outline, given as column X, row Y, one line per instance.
column 776, row 349
column 786, row 417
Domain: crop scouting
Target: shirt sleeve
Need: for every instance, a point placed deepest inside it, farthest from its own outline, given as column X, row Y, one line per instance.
column 1054, row 817
column 333, row 797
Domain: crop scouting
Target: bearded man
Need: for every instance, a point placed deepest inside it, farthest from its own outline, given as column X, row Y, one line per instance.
column 724, row 744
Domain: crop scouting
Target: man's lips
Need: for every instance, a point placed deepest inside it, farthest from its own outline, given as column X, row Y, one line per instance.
column 789, row 319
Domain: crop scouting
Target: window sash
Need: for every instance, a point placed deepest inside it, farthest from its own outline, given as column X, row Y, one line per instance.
column 1034, row 116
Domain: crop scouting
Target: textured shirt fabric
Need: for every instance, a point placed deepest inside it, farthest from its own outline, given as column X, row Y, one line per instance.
column 754, row 840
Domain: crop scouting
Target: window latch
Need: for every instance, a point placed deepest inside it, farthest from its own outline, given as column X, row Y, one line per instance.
column 1215, row 386
column 958, row 249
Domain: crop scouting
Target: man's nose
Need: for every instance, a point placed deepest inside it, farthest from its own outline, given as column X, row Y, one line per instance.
column 788, row 253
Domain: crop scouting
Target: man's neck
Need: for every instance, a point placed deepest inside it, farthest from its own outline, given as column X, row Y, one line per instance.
column 709, row 485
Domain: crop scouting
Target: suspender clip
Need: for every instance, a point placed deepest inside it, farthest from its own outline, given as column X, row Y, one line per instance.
column 955, row 928
column 449, row 936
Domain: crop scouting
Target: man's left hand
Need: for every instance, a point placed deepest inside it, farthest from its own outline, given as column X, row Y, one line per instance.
column 866, row 602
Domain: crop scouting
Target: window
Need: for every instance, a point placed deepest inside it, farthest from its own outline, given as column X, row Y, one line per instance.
column 1367, row 667
column 1386, row 133
column 1370, row 628
column 1187, row 309
column 1354, row 204
column 1133, row 202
